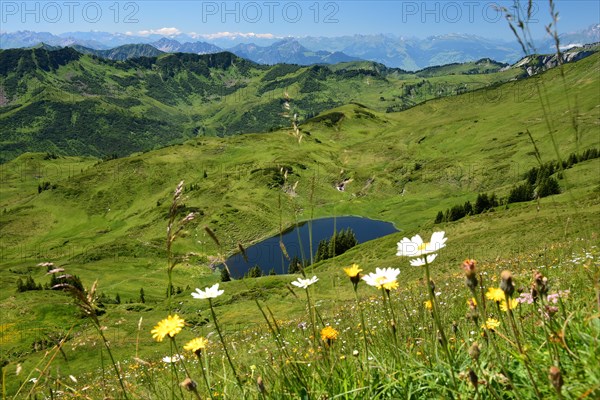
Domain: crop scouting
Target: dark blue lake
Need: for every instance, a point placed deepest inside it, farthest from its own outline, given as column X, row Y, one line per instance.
column 268, row 255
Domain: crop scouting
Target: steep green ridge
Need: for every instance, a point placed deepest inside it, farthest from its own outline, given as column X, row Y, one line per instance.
column 122, row 53
column 72, row 104
column 106, row 220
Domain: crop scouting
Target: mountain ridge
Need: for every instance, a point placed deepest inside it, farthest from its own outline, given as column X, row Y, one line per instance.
column 408, row 53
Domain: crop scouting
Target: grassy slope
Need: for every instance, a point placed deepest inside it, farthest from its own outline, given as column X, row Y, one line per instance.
column 106, row 221
column 94, row 107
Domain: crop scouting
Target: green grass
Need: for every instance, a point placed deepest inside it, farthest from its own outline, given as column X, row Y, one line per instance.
column 90, row 106
column 106, row 221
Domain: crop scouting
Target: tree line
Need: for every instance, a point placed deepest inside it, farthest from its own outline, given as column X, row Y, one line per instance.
column 538, row 182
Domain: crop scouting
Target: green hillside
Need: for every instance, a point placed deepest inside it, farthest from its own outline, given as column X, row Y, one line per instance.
column 105, row 220
column 68, row 103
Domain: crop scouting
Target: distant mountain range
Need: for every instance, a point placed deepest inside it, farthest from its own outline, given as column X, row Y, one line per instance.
column 173, row 46
column 289, row 51
column 397, row 52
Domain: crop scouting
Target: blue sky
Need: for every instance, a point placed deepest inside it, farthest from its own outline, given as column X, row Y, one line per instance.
column 287, row 18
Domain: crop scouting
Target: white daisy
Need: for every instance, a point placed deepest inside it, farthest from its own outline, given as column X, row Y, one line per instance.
column 305, row 283
column 415, row 247
column 417, row 262
column 383, row 277
column 208, row 293
column 174, row 359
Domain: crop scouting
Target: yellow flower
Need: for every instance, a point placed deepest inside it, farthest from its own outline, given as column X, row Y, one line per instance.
column 495, row 294
column 328, row 334
column 472, row 303
column 390, row 285
column 171, row 326
column 428, row 305
column 386, row 278
column 511, row 305
column 353, row 271
column 196, row 345
column 491, row 324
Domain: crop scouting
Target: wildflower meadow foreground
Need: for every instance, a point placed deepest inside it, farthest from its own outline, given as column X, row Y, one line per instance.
column 526, row 343
column 487, row 333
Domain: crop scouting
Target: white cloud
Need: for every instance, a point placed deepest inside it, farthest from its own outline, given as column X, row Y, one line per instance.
column 232, row 35
column 161, row 31
column 570, row 46
column 170, row 32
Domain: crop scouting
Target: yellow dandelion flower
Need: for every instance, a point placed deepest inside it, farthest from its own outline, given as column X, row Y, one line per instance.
column 491, row 324
column 328, row 334
column 353, row 271
column 472, row 302
column 511, row 305
column 428, row 305
column 196, row 345
column 170, row 326
column 495, row 294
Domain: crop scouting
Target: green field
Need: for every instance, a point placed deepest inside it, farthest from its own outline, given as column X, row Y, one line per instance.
column 105, row 220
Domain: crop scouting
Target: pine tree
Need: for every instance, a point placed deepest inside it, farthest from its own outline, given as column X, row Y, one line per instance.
column 456, row 213
column 522, row 192
column 293, row 267
column 493, row 200
column 142, row 296
column 468, row 208
column 482, row 203
column 439, row 218
column 254, row 272
column 322, row 251
column 20, row 285
column 547, row 187
column 225, row 277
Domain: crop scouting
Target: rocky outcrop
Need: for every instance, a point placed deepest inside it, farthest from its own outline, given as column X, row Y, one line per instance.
column 536, row 64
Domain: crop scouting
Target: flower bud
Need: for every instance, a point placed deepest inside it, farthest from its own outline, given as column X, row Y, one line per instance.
column 474, row 351
column 506, row 283
column 551, row 310
column 541, row 283
column 189, row 384
column 534, row 292
column 470, row 273
column 473, row 378
column 260, row 384
column 555, row 378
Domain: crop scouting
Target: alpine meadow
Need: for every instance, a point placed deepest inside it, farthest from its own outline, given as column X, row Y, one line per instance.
column 130, row 175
